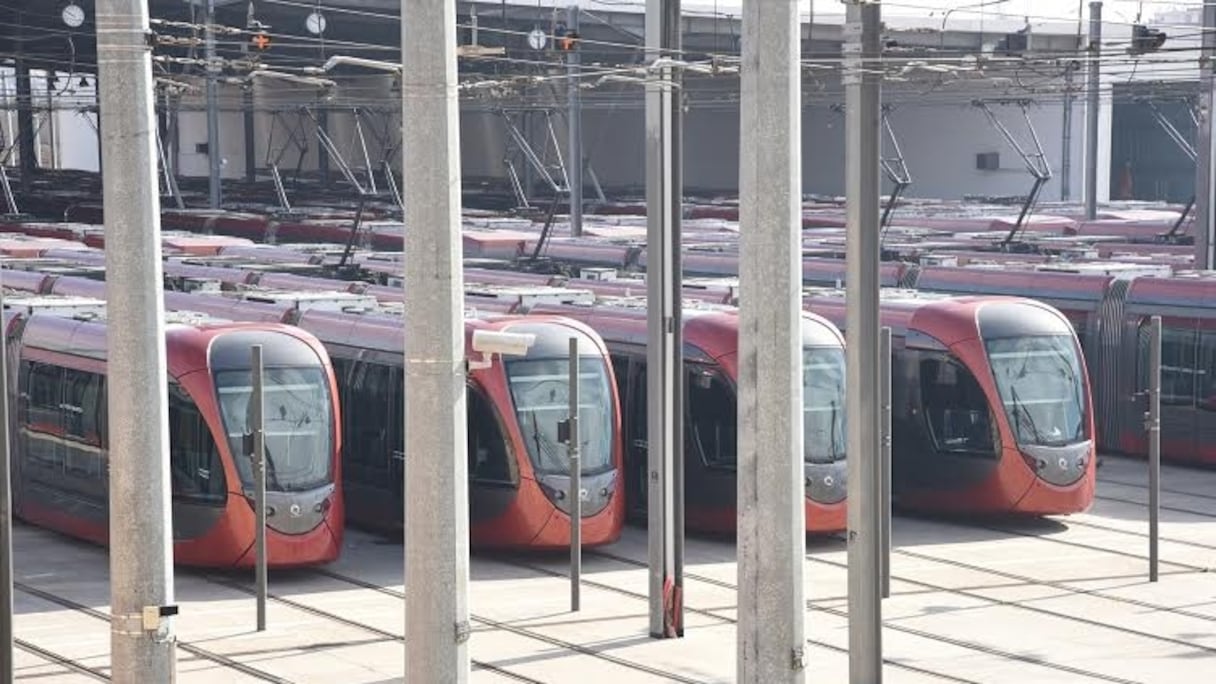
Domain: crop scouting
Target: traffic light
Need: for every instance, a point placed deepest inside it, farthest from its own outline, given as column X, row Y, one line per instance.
column 1145, row 39
column 568, row 41
column 260, row 41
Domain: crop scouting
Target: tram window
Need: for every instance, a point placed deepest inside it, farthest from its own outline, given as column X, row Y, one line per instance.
column 1178, row 368
column 196, row 470
column 82, row 393
column 1207, row 370
column 487, row 446
column 711, row 417
column 955, row 406
column 42, row 415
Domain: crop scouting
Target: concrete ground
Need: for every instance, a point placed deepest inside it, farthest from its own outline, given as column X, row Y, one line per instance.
column 989, row 601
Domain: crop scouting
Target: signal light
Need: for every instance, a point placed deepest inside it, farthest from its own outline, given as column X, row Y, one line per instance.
column 1145, row 39
column 568, row 42
column 261, row 41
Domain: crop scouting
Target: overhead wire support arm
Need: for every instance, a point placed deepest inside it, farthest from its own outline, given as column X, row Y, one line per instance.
column 1035, row 161
column 1187, row 147
column 895, row 167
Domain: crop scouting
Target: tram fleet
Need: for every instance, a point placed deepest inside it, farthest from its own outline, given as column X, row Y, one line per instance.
column 1008, row 376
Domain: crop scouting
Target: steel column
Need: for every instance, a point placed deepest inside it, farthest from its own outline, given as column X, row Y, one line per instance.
column 258, row 399
column 1205, row 178
column 573, row 448
column 862, row 80
column 884, row 490
column 6, row 510
column 664, row 369
column 1093, row 86
column 142, row 641
column 251, row 159
column 1066, row 140
column 27, row 154
column 215, row 197
column 436, row 463
column 771, row 638
column 1154, row 443
column 574, row 126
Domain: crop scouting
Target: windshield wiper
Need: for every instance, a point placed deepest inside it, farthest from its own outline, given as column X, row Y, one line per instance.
column 1020, row 413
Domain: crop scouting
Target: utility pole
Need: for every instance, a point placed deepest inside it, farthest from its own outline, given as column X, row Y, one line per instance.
column 574, row 124
column 251, row 160
column 1066, row 142
column 1093, row 87
column 6, row 511
column 1205, row 179
column 436, row 464
column 142, row 637
column 215, row 197
column 664, row 351
column 862, row 83
column 771, row 637
column 27, row 155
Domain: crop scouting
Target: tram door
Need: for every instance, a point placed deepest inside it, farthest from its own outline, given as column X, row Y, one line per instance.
column 630, row 371
column 372, row 435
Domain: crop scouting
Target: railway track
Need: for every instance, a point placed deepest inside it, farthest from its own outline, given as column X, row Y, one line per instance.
column 905, row 629
column 190, row 648
column 713, row 615
column 523, row 632
column 63, row 661
column 354, row 624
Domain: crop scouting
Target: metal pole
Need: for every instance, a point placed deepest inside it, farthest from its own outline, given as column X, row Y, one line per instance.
column 771, row 637
column 1066, row 142
column 251, row 162
column 664, row 369
column 1205, row 179
column 574, row 126
column 1154, row 444
column 1093, row 86
column 436, row 451
column 6, row 510
column 862, row 121
column 257, row 397
column 27, row 154
column 322, row 152
column 215, row 197
column 142, row 637
column 576, row 483
column 884, row 492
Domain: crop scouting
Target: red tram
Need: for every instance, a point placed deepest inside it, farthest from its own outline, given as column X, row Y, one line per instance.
column 991, row 407
column 518, row 473
column 711, row 338
column 60, row 472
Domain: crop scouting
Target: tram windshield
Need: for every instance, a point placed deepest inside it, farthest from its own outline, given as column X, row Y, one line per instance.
column 1042, row 387
column 298, row 419
column 540, row 389
column 823, row 415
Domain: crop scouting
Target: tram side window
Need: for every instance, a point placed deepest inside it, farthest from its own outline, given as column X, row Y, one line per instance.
column 83, row 395
column 710, row 417
column 487, row 445
column 41, row 415
column 1207, row 370
column 194, row 460
column 1178, row 367
column 955, row 406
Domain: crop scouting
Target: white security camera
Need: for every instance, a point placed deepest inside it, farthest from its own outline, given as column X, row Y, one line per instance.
column 511, row 344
